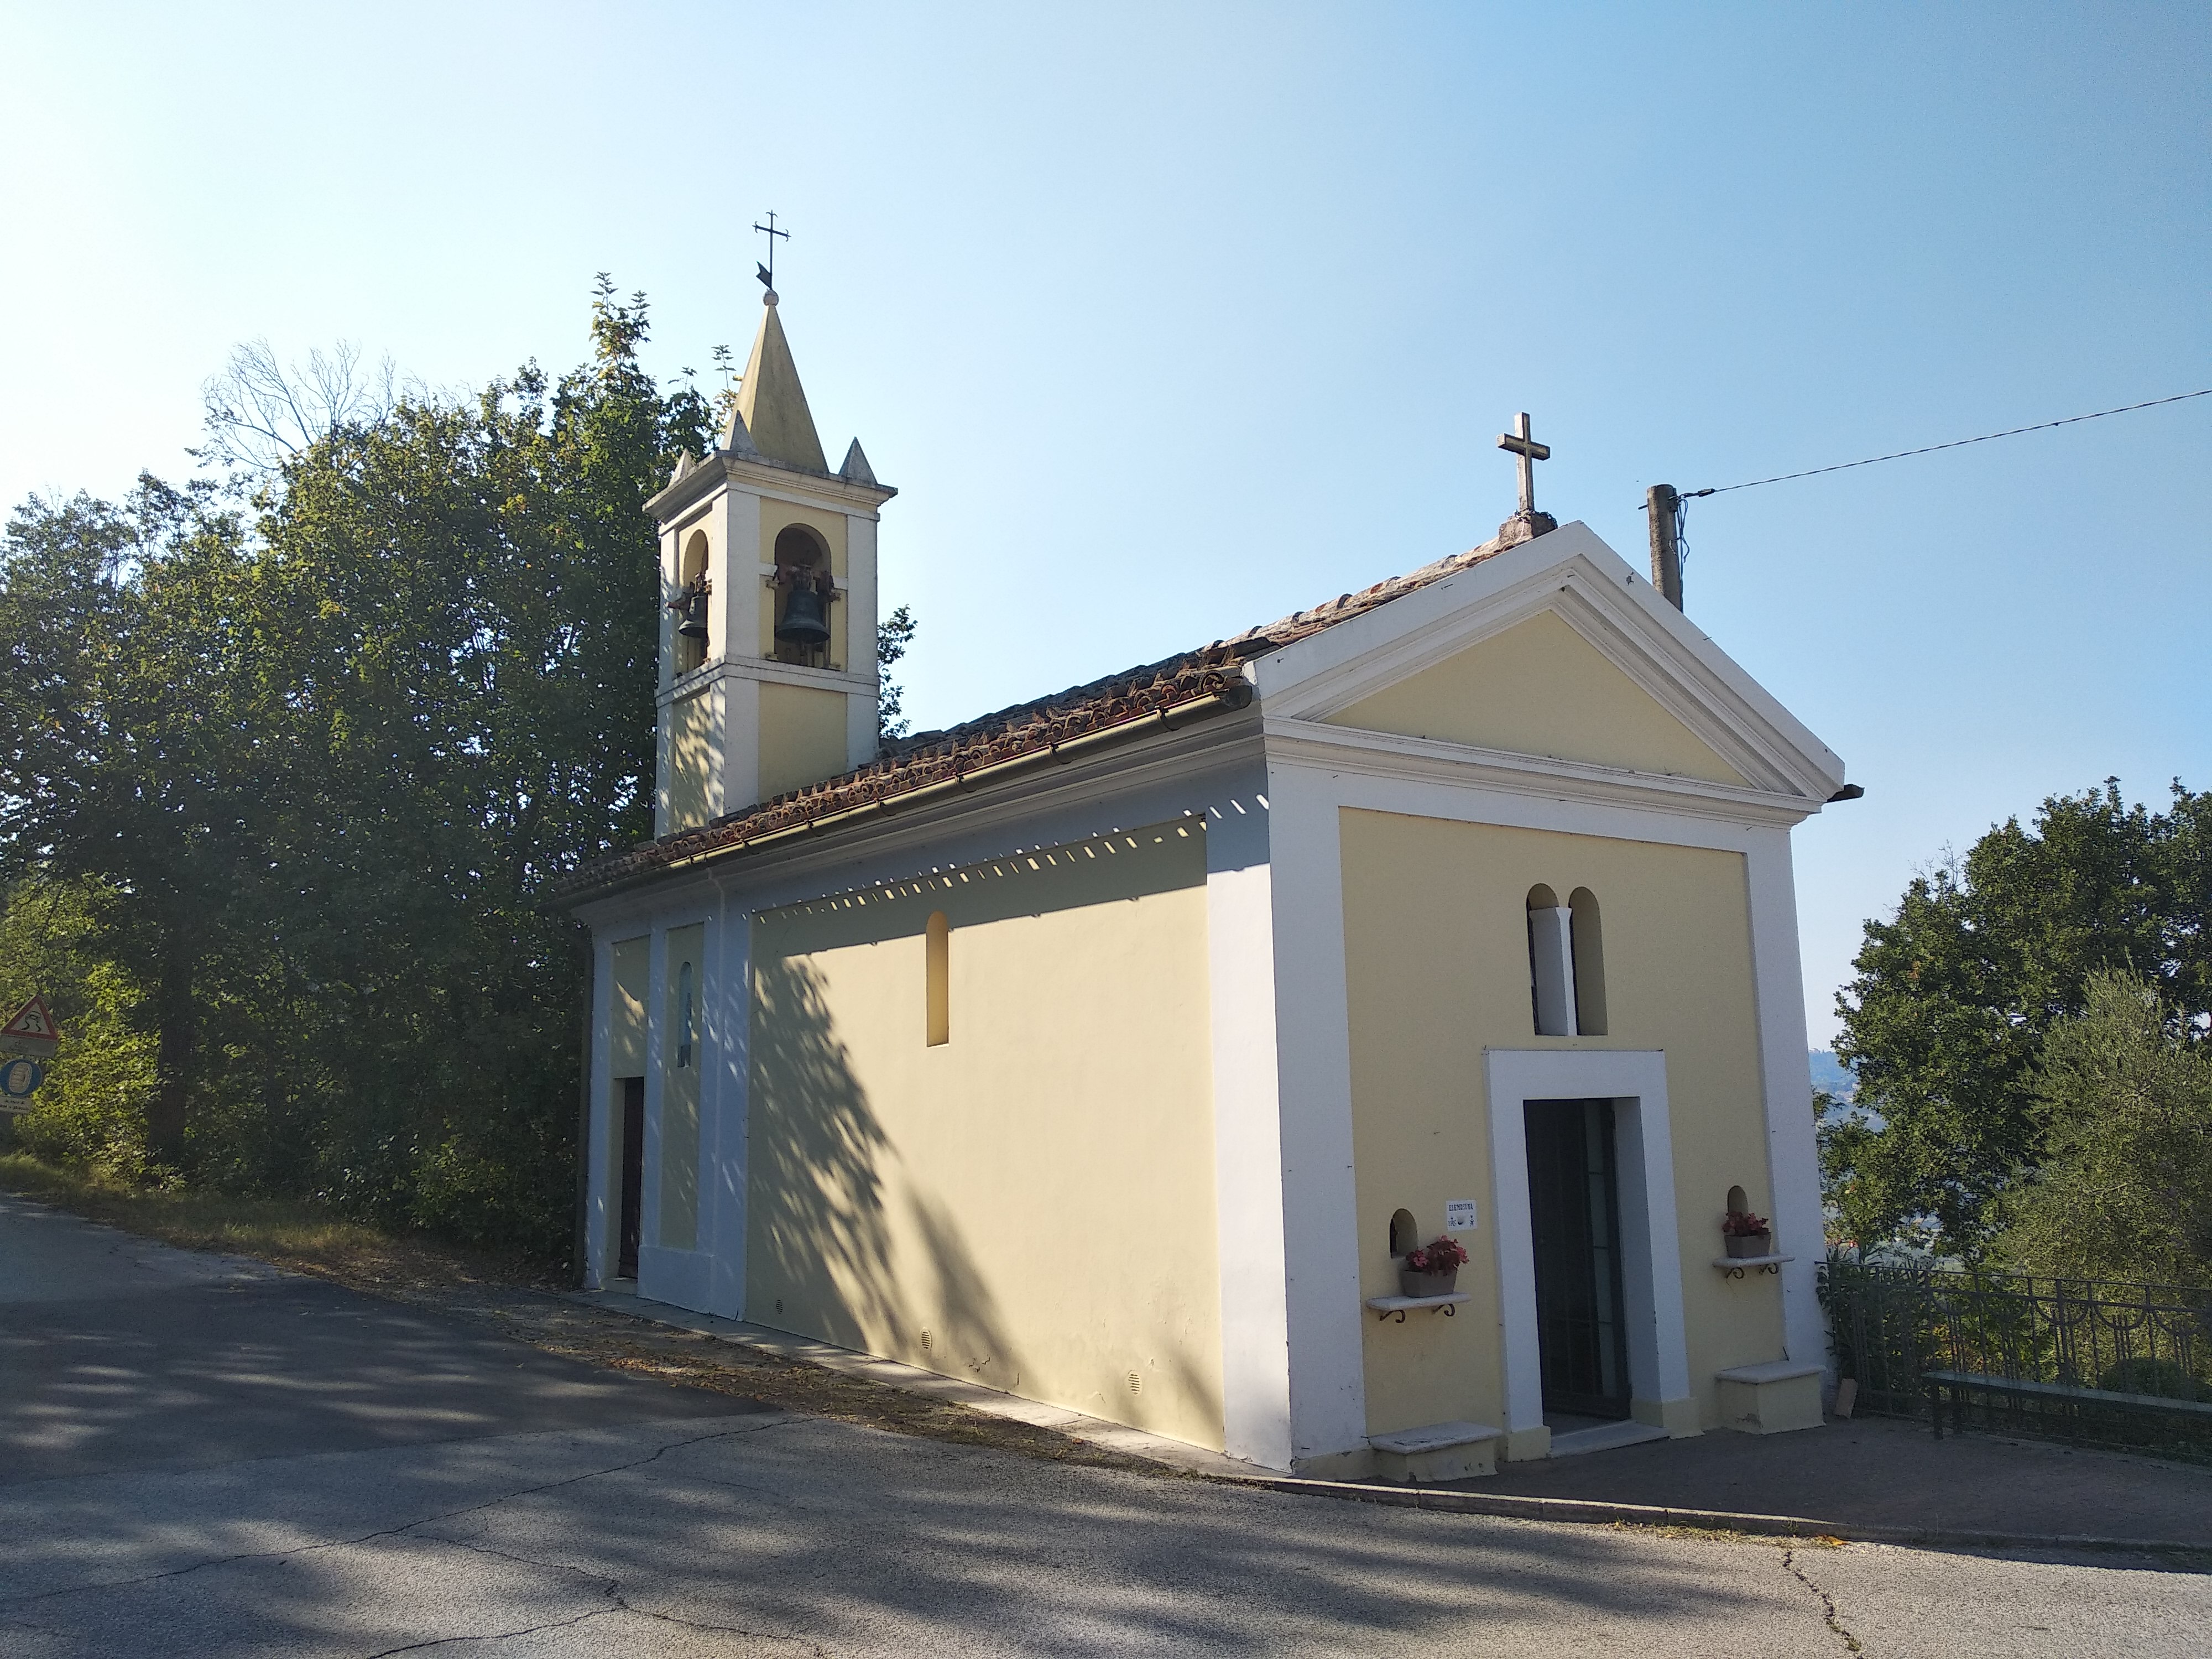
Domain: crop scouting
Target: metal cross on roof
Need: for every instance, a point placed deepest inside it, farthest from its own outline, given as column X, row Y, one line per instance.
column 768, row 271
column 1529, row 452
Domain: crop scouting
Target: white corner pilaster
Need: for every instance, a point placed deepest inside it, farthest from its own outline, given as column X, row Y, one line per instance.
column 1313, row 1047
column 1793, row 1166
column 728, row 1036
column 598, row 1149
column 656, row 1003
column 1248, row 1136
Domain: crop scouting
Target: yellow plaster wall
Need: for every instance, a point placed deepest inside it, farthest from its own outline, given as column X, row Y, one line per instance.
column 1437, row 966
column 1029, row 1204
column 776, row 517
column 691, row 726
column 1540, row 689
column 678, row 1226
column 626, row 1043
column 802, row 736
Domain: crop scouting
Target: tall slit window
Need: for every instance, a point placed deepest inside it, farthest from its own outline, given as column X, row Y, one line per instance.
column 939, row 939
column 1551, row 963
column 1589, row 953
column 687, row 1018
column 1566, row 964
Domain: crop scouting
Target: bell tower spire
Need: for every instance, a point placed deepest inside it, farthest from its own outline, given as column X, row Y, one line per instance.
column 768, row 573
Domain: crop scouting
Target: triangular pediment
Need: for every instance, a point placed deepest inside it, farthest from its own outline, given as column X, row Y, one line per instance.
column 1552, row 649
column 1539, row 688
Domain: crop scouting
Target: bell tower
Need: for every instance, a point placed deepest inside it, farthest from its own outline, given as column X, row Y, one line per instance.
column 768, row 585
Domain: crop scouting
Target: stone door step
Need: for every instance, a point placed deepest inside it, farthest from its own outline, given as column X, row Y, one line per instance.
column 1607, row 1439
column 1441, row 1451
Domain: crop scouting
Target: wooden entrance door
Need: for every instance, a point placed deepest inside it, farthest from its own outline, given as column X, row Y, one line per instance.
column 633, row 1174
column 1574, row 1217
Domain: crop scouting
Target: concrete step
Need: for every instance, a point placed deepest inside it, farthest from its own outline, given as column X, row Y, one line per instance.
column 1439, row 1451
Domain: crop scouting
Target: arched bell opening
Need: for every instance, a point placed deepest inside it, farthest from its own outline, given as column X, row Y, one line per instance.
column 690, row 604
column 805, row 591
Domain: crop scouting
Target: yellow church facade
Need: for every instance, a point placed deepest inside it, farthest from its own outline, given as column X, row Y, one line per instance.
column 1114, row 1049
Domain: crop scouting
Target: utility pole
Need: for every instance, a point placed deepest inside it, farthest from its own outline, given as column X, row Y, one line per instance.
column 1662, row 504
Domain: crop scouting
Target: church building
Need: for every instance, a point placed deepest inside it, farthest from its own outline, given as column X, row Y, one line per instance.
column 1115, row 1050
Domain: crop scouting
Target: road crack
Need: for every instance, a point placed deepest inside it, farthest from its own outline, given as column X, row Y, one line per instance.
column 1827, row 1602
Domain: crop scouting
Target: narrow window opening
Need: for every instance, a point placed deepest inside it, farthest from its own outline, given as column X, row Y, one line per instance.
column 1589, row 957
column 1551, row 963
column 1403, row 1235
column 939, row 937
column 686, row 1017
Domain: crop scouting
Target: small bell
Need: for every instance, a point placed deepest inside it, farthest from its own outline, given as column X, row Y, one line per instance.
column 806, row 618
column 691, row 624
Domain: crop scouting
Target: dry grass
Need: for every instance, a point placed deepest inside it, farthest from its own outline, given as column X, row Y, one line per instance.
column 290, row 1232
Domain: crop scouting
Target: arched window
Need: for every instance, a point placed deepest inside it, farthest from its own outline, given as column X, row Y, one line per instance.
column 1551, row 963
column 1403, row 1235
column 687, row 1017
column 938, row 970
column 1588, row 963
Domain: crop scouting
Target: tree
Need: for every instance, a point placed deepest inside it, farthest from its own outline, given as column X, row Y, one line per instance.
column 893, row 635
column 319, row 756
column 2124, row 1106
column 1945, row 1021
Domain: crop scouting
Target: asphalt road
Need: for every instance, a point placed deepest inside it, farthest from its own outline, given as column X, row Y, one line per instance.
column 203, row 1457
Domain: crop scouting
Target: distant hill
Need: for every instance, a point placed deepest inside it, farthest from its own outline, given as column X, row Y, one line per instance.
column 1828, row 1074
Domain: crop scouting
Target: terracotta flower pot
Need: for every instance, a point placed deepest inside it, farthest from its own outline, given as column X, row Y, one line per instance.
column 1748, row 1244
column 1413, row 1283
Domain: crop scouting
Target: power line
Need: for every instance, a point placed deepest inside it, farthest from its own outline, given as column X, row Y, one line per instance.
column 1956, row 443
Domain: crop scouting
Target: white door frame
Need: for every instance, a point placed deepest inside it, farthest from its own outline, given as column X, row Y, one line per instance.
column 1635, row 1080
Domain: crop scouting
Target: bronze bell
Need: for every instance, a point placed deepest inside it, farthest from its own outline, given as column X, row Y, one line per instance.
column 691, row 623
column 806, row 618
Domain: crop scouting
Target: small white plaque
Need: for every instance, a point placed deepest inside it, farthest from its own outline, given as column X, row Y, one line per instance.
column 1459, row 1215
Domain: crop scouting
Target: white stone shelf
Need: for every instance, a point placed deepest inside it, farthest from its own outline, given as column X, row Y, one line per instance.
column 1734, row 1266
column 1401, row 1305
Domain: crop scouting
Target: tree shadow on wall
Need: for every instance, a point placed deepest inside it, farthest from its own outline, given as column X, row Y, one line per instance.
column 821, row 1241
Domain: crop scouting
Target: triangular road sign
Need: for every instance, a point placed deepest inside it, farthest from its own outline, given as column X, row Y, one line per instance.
column 31, row 1028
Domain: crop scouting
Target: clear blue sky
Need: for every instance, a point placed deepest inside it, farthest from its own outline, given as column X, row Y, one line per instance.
column 1169, row 320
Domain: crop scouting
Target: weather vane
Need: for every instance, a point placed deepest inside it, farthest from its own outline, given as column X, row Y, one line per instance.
column 767, row 271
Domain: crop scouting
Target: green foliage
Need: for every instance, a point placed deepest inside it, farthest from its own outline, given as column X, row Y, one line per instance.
column 92, row 1107
column 2124, row 1188
column 1945, row 1022
column 320, row 753
column 893, row 635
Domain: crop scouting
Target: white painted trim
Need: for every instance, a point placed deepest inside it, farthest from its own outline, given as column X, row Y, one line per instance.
column 729, row 1040
column 656, row 999
column 1248, row 1134
column 1328, row 1389
column 1793, row 1168
column 679, row 1278
column 600, row 1176
column 1389, row 755
column 1635, row 1080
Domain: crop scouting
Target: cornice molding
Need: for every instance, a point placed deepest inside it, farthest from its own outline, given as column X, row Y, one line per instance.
column 1426, row 760
column 762, row 476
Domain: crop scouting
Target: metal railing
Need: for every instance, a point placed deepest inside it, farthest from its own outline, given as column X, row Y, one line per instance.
column 2088, row 1338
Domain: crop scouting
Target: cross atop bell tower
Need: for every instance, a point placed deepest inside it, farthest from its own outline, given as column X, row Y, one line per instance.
column 1527, row 521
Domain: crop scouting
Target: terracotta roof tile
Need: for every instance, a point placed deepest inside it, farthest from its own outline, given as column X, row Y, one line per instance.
column 927, row 757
